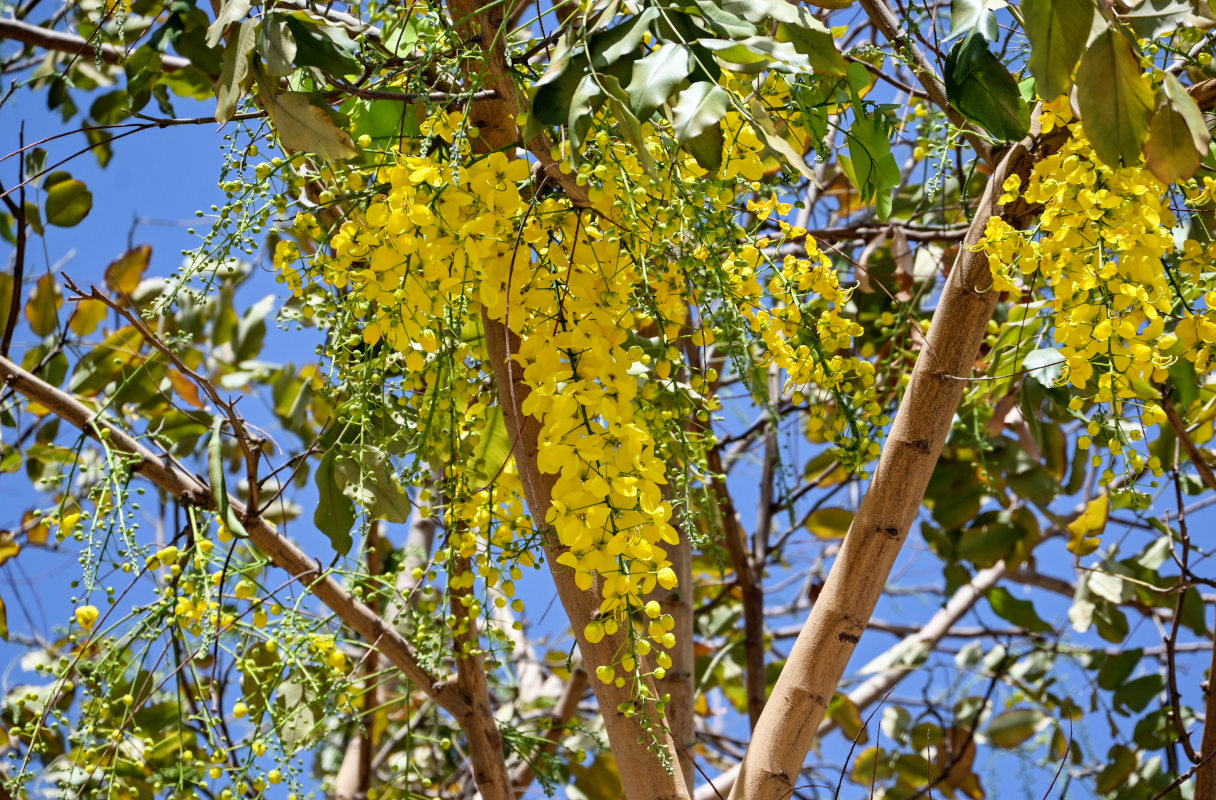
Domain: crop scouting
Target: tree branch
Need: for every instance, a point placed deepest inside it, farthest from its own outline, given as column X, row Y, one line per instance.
column 680, row 680
column 478, row 20
column 642, row 773
column 1188, row 444
column 1205, row 777
column 523, row 775
column 191, row 490
column 749, row 587
column 71, row 44
column 819, row 656
column 878, row 686
column 485, row 741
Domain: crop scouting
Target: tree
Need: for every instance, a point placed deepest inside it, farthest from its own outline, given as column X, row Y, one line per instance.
column 579, row 273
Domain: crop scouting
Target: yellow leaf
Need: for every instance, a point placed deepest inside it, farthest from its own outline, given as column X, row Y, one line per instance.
column 8, row 547
column 89, row 314
column 37, row 530
column 185, row 389
column 42, row 310
column 830, row 523
column 124, row 274
column 1085, row 532
column 304, row 127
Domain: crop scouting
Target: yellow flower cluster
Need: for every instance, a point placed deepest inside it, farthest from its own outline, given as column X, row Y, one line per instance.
column 1121, row 293
column 602, row 302
column 815, row 357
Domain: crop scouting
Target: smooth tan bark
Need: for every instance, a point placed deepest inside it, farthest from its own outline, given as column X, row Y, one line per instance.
column 640, row 754
column 791, row 717
column 479, row 725
column 679, row 682
column 495, row 118
column 354, row 774
column 647, row 758
column 38, row 36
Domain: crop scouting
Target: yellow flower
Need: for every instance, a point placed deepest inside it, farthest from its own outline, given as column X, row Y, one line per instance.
column 87, row 616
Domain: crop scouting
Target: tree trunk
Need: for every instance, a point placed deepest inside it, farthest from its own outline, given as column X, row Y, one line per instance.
column 791, row 717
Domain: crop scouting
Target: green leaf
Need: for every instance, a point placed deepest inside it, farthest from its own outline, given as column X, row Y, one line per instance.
column 261, row 669
column 1011, row 728
column 1194, row 612
column 1057, row 30
column 656, row 76
column 251, row 330
column 299, row 711
column 985, row 544
column 551, row 95
column 307, row 128
column 1045, row 366
column 608, row 47
column 723, row 22
column 276, row 45
column 67, row 203
column 586, row 99
column 696, row 118
column 1114, row 99
column 372, row 482
column 760, row 11
column 1153, row 18
column 817, row 44
column 215, row 468
column 99, row 138
column 983, row 91
column 231, row 12
column 236, row 76
column 112, row 107
column 971, row 16
column 1120, row 764
column 6, row 300
column 870, row 164
column 630, row 126
column 493, row 447
column 321, row 45
column 1110, row 622
column 758, row 53
column 190, row 82
column 106, row 361
column 777, row 145
column 1177, row 135
column 1118, row 669
column 1019, row 612
column 600, row 780
column 42, row 310
column 845, row 713
column 1137, row 694
column 335, row 514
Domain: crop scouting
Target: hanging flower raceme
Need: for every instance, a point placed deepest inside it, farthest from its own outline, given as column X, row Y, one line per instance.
column 603, row 309
column 1127, row 300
